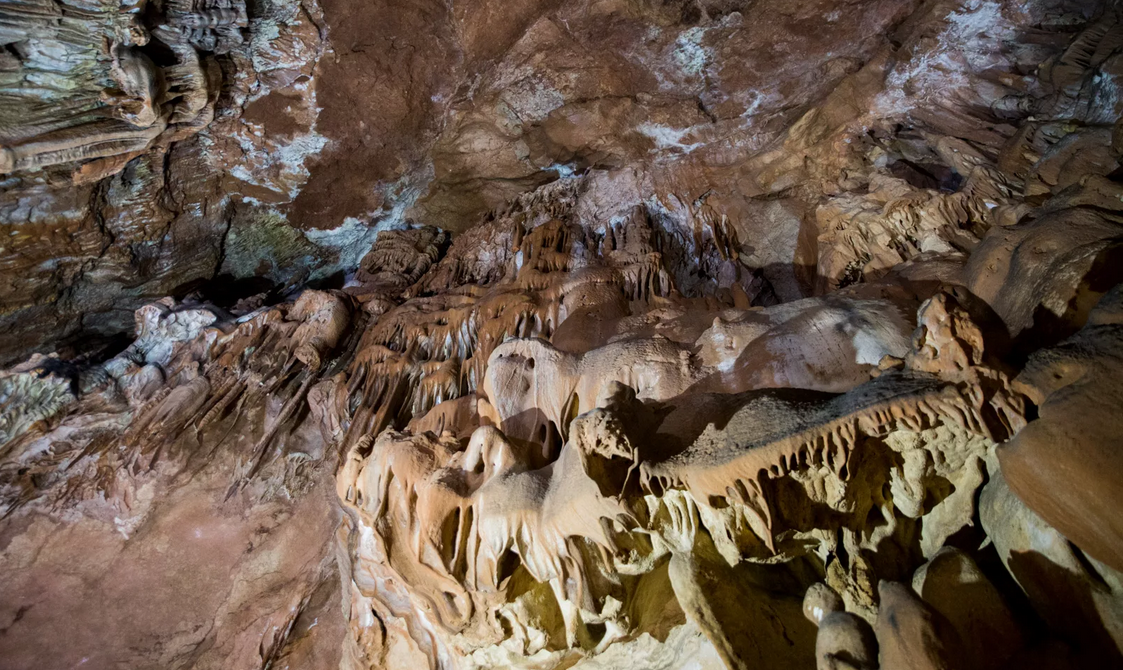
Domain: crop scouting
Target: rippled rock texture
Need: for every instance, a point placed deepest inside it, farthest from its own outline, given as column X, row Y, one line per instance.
column 606, row 335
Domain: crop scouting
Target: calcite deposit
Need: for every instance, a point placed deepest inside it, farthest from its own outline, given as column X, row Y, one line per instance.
column 716, row 335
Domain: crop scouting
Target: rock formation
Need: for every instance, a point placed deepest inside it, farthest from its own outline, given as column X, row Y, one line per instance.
column 668, row 335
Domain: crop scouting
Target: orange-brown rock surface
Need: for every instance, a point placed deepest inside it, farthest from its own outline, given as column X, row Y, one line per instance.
column 645, row 335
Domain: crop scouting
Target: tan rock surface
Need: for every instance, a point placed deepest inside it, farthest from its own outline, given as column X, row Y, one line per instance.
column 638, row 335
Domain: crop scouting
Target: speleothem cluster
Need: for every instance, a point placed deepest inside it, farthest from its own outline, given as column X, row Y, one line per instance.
column 591, row 429
column 119, row 102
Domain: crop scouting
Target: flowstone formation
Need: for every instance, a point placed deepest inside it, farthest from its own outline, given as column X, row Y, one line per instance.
column 819, row 373
column 59, row 57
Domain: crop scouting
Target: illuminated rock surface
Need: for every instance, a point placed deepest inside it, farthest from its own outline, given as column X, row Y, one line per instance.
column 537, row 335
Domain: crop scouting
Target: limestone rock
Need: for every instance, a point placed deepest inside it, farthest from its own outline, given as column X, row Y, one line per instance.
column 1050, row 455
column 1078, row 597
column 912, row 635
column 534, row 335
column 955, row 587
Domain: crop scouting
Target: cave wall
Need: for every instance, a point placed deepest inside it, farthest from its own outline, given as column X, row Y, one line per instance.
column 707, row 334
